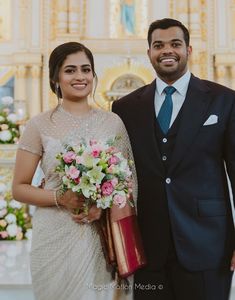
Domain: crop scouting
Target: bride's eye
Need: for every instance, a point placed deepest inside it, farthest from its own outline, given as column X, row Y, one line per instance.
column 86, row 70
column 69, row 71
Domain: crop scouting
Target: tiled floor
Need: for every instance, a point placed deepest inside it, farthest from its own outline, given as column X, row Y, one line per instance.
column 15, row 279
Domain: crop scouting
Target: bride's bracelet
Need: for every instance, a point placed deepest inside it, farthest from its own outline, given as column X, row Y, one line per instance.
column 57, row 194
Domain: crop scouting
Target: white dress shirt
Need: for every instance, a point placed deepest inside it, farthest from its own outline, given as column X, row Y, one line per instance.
column 178, row 97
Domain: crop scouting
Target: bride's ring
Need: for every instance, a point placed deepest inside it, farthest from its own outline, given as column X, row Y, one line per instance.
column 85, row 220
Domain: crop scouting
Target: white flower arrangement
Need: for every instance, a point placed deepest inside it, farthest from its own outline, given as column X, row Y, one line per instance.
column 9, row 123
column 15, row 223
column 9, row 129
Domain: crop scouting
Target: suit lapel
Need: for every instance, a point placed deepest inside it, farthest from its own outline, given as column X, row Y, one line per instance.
column 193, row 115
column 147, row 119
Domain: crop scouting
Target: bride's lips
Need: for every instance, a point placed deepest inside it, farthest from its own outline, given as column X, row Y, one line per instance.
column 79, row 86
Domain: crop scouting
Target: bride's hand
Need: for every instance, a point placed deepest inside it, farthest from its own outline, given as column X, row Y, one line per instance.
column 94, row 214
column 71, row 200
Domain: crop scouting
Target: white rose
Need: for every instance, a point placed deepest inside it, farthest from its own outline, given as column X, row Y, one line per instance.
column 3, row 223
column 10, row 218
column 3, row 212
column 7, row 100
column 2, row 188
column 3, row 204
column 12, row 230
column 12, row 118
column 2, row 119
column 5, row 135
column 15, row 204
column 28, row 234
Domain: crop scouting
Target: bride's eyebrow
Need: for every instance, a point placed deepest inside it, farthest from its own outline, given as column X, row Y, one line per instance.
column 73, row 66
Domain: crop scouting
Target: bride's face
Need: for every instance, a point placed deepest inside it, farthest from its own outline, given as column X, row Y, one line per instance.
column 76, row 77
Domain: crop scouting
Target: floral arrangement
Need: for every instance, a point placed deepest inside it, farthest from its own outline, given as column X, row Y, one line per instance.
column 97, row 170
column 15, row 222
column 9, row 128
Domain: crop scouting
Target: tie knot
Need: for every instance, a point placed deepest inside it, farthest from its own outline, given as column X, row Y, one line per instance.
column 169, row 90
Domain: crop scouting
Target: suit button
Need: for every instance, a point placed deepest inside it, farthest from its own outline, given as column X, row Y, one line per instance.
column 164, row 158
column 168, row 180
column 164, row 140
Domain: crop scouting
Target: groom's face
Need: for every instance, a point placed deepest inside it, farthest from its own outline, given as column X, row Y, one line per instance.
column 169, row 54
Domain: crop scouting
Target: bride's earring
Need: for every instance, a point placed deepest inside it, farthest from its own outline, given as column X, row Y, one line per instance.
column 58, row 92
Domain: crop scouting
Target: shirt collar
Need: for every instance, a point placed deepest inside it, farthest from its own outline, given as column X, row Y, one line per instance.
column 181, row 84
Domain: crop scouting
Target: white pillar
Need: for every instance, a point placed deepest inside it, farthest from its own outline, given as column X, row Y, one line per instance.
column 62, row 17
column 34, row 103
column 221, row 72
column 233, row 77
column 20, row 83
column 73, row 16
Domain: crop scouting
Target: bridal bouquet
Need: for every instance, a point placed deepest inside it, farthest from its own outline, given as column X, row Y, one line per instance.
column 97, row 170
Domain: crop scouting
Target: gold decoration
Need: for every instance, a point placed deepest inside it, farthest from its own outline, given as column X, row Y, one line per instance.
column 221, row 71
column 20, row 71
column 35, row 71
column 114, row 72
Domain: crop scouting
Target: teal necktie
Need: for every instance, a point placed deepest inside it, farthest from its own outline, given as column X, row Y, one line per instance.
column 164, row 116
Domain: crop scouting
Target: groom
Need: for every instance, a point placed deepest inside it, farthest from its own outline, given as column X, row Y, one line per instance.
column 182, row 131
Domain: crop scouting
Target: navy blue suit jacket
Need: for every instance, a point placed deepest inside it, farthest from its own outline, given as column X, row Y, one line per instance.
column 197, row 198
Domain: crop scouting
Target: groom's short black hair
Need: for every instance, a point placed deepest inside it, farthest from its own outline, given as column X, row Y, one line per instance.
column 165, row 24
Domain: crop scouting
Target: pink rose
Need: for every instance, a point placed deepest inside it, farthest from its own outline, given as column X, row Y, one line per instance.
column 107, row 188
column 73, row 172
column 69, row 157
column 96, row 149
column 119, row 200
column 78, row 160
column 110, row 169
column 111, row 149
column 114, row 160
column 4, row 234
column 77, row 180
column 95, row 153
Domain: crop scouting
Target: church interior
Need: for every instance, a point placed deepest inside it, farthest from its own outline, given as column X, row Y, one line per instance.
column 115, row 31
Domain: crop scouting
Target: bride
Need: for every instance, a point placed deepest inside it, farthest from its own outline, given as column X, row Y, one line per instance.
column 67, row 261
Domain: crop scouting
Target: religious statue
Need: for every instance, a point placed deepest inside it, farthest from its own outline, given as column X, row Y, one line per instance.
column 128, row 16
